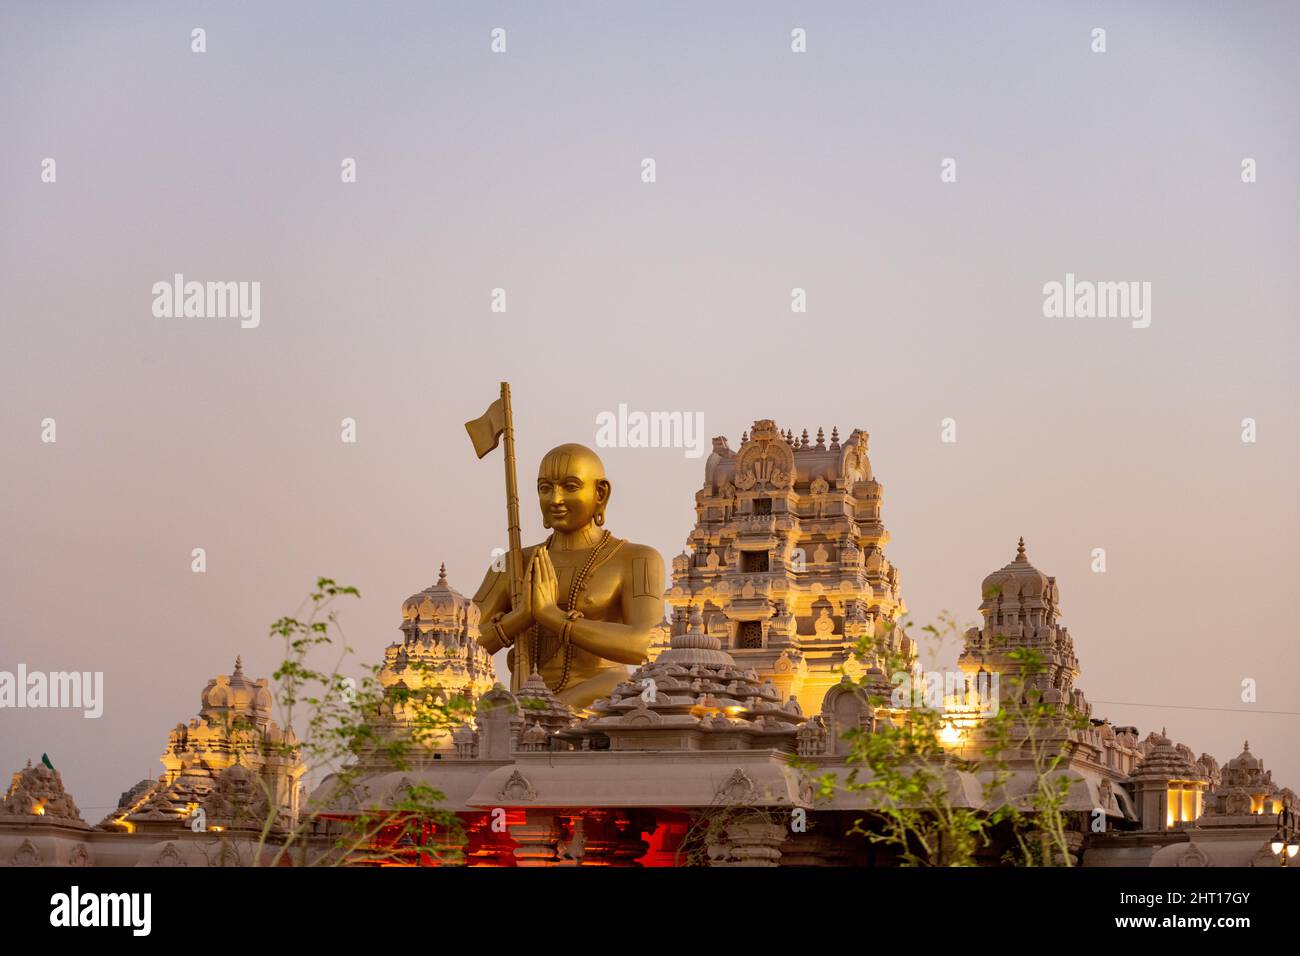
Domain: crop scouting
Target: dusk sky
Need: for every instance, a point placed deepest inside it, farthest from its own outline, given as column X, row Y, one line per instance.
column 522, row 171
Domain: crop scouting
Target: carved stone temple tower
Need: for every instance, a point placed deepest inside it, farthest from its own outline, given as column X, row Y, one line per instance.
column 787, row 559
column 1021, row 608
column 439, row 645
column 211, row 763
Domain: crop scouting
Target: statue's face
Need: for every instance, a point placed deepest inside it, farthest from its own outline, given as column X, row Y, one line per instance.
column 571, row 487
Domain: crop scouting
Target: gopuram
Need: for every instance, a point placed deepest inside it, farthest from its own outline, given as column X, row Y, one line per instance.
column 691, row 721
column 787, row 560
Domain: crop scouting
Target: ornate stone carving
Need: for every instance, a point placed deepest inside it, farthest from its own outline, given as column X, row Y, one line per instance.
column 239, row 801
column 518, row 788
column 234, row 727
column 825, row 540
column 824, row 626
column 738, row 788
column 1193, row 856
column 26, row 855
column 765, row 461
column 169, row 856
column 1265, row 857
column 37, row 791
column 750, row 840
column 439, row 655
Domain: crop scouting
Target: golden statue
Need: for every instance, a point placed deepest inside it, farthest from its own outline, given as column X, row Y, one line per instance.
column 582, row 605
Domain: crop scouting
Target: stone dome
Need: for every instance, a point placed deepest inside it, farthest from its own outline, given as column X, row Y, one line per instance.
column 1018, row 580
column 439, row 651
column 534, row 735
column 1245, row 760
column 236, row 693
column 1165, row 761
column 439, row 605
column 696, row 646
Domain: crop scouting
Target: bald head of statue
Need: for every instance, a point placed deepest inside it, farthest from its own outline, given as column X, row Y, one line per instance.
column 571, row 488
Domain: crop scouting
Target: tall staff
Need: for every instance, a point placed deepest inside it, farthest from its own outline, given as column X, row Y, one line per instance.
column 514, row 558
column 485, row 432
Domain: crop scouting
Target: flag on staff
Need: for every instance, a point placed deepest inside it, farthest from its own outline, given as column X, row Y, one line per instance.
column 485, row 432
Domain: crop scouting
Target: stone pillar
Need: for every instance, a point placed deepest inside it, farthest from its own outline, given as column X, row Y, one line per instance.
column 1151, row 794
column 537, row 840
column 749, row 839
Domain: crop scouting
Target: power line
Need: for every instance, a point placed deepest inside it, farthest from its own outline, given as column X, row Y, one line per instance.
column 1225, row 710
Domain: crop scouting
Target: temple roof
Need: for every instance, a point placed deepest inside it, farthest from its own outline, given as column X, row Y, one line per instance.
column 439, row 603
column 1018, row 580
column 36, row 795
column 1164, row 760
column 235, row 693
column 1245, row 760
column 694, row 685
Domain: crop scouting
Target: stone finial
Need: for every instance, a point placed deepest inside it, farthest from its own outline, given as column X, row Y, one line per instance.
column 744, row 436
column 804, row 442
column 695, row 618
column 239, row 664
column 442, row 573
column 835, row 437
column 1020, row 550
column 821, row 438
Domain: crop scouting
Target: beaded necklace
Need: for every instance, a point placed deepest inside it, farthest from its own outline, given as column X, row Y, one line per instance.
column 575, row 589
